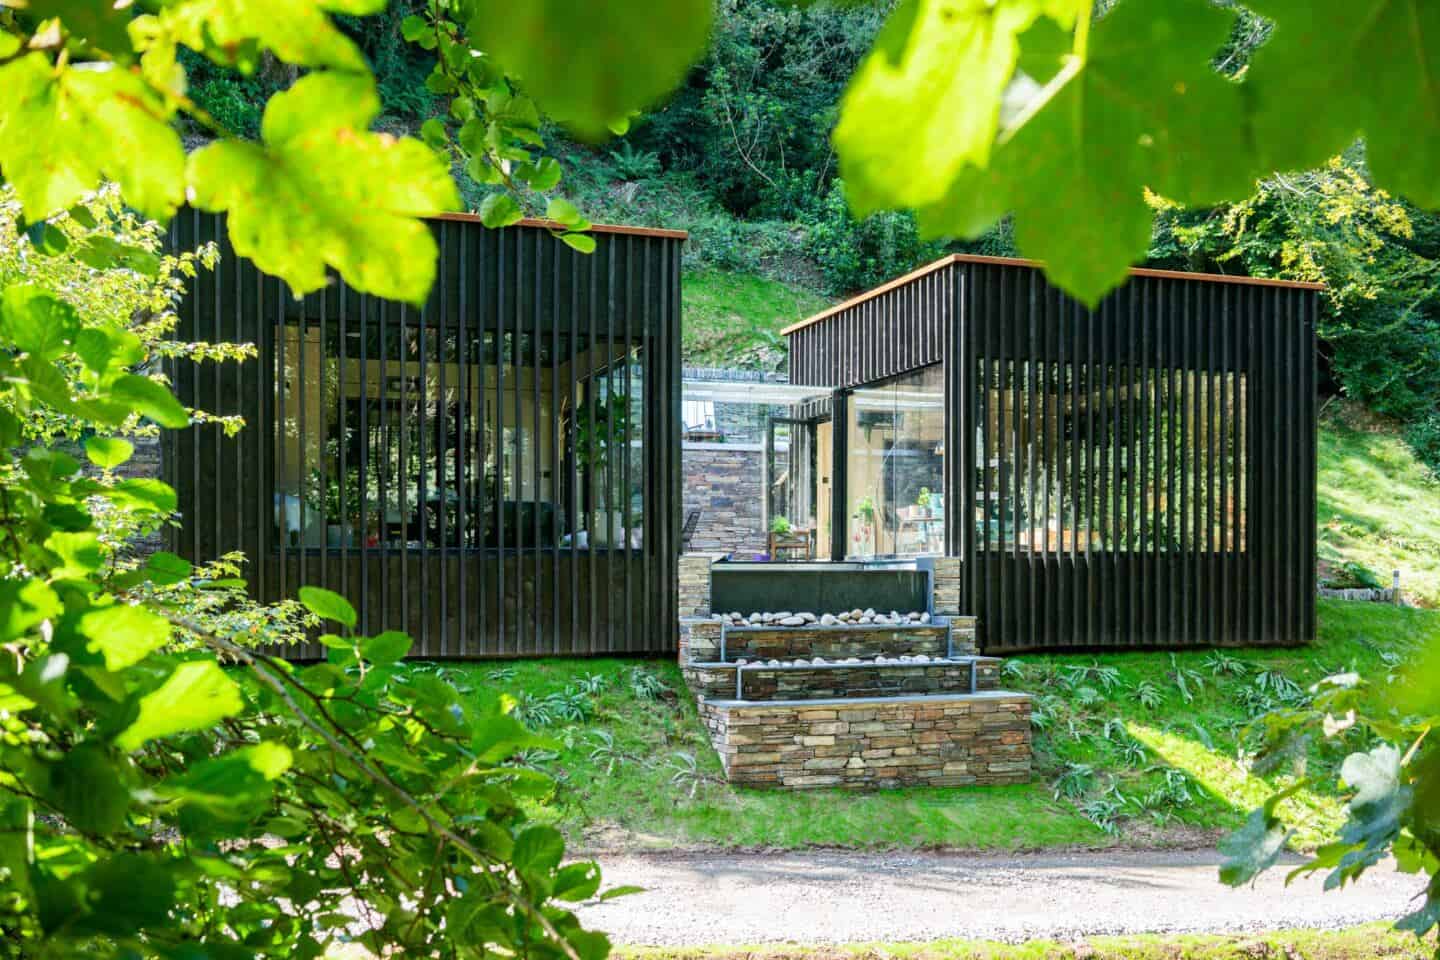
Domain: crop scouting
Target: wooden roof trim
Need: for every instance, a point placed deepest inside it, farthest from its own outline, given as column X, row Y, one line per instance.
column 954, row 258
column 596, row 228
column 884, row 288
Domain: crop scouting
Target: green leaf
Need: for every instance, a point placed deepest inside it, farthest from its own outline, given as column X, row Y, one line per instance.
column 196, row 696
column 86, row 788
column 563, row 211
column 1334, row 70
column 64, row 131
column 296, row 31
column 37, row 322
column 79, row 553
column 24, row 604
column 126, row 893
column 321, row 191
column 150, row 398
column 576, row 882
column 47, row 238
column 413, row 27
column 1145, row 110
column 1256, row 846
column 538, row 850
column 591, row 64
column 106, row 253
column 103, row 24
column 1373, row 776
column 387, row 647
column 144, row 495
column 108, row 452
column 123, row 633
column 328, row 605
column 239, row 779
column 621, row 891
column 166, row 568
column 932, row 83
column 500, row 210
column 583, row 242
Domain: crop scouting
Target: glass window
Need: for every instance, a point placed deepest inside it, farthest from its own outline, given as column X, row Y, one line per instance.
column 407, row 435
column 895, row 474
column 1075, row 458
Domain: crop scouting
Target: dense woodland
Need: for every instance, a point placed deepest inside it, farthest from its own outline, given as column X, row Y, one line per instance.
column 741, row 157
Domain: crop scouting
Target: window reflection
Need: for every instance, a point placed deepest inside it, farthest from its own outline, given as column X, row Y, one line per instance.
column 403, row 435
column 895, row 470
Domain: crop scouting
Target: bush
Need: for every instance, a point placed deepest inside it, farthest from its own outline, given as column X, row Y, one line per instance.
column 169, row 790
column 1423, row 436
column 856, row 255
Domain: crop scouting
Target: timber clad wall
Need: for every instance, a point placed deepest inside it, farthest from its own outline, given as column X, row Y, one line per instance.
column 1140, row 475
column 484, row 527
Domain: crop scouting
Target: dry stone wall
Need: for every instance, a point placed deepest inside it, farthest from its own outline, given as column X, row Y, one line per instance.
column 976, row 739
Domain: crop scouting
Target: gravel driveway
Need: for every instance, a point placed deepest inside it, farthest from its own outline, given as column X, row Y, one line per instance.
column 823, row 897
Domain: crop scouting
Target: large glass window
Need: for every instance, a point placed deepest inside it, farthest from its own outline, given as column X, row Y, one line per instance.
column 895, row 474
column 1075, row 458
column 399, row 434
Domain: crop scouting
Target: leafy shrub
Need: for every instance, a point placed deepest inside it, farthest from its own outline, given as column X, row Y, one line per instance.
column 858, row 254
column 1423, row 436
column 646, row 684
column 170, row 789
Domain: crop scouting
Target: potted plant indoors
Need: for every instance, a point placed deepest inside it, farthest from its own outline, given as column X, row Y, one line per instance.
column 598, row 434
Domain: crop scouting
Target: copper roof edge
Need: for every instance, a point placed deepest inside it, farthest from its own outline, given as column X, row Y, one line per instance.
column 553, row 225
column 954, row 258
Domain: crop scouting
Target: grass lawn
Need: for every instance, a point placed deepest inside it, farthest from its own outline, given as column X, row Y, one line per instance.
column 1379, row 507
column 735, row 319
column 1131, row 748
column 1355, row 943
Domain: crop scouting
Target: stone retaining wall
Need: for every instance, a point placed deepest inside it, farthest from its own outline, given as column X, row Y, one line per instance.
column 979, row 739
column 726, row 483
column 764, row 683
column 835, row 643
column 717, row 681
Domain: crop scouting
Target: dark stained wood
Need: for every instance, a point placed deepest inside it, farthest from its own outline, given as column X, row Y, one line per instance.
column 514, row 291
column 1185, row 543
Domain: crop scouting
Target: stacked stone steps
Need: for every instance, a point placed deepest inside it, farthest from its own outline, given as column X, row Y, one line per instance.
column 941, row 741
column 841, row 700
column 804, row 680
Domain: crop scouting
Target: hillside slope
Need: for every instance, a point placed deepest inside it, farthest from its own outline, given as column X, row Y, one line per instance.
column 1379, row 508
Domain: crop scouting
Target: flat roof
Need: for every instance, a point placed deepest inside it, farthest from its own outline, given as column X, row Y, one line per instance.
column 553, row 225
column 954, row 258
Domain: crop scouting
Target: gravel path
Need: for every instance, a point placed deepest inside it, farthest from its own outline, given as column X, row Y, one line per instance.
column 823, row 897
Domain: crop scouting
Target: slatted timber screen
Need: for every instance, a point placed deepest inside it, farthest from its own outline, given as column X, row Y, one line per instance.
column 1137, row 476
column 496, row 472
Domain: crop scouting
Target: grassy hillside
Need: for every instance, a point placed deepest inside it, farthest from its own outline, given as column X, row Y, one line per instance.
column 1379, row 508
column 735, row 319
column 1138, row 748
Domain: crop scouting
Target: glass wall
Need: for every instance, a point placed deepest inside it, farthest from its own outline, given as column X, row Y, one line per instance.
column 1106, row 457
column 403, row 434
column 895, row 469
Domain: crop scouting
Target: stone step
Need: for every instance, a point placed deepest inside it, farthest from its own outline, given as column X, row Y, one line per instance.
column 796, row 681
column 709, row 640
column 791, row 680
column 940, row 740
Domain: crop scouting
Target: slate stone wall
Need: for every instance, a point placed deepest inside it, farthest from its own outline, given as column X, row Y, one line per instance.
column 762, row 683
column 726, row 483
column 982, row 739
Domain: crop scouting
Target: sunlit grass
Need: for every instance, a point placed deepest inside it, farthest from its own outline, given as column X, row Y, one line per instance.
column 1314, row 817
column 735, row 319
column 1379, row 508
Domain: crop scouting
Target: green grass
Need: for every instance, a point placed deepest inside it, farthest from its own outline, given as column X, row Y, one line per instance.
column 1177, row 761
column 1363, row 942
column 638, row 771
column 735, row 319
column 1379, row 508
